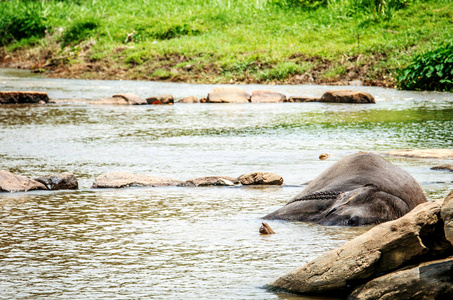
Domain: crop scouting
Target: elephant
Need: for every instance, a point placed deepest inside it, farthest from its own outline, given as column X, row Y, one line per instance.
column 360, row 189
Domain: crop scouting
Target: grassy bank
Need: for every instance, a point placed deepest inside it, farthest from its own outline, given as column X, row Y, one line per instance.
column 243, row 41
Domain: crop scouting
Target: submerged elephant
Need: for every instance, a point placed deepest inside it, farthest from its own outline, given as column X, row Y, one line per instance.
column 360, row 189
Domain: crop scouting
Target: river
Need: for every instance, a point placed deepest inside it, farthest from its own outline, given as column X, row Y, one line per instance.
column 180, row 242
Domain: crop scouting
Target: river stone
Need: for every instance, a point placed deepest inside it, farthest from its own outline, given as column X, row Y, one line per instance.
column 65, row 181
column 190, row 99
column 261, row 178
column 443, row 167
column 210, row 181
column 429, row 280
column 301, row 99
column 122, row 99
column 382, row 249
column 228, row 94
column 345, row 96
column 165, row 99
column 422, row 153
column 125, row 179
column 267, row 97
column 10, row 182
column 447, row 216
column 23, row 97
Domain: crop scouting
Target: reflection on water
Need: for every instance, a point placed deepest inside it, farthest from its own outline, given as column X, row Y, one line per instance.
column 202, row 243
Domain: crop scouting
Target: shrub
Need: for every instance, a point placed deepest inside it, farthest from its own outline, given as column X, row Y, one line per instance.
column 21, row 22
column 430, row 71
column 79, row 31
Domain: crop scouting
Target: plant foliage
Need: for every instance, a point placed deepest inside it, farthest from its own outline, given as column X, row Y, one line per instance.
column 21, row 22
column 78, row 31
column 430, row 71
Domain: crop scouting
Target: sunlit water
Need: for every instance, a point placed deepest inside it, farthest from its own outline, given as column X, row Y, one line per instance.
column 185, row 243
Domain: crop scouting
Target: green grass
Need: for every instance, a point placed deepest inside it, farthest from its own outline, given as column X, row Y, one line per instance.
column 263, row 41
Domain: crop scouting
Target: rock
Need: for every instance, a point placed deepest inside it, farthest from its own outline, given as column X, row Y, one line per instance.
column 228, row 94
column 425, row 153
column 210, row 181
column 443, row 167
column 203, row 100
column 125, row 179
column 65, row 181
column 430, row 280
column 385, row 248
column 23, row 97
column 345, row 96
column 267, row 97
column 224, row 182
column 302, row 99
column 10, row 182
column 261, row 178
column 165, row 99
column 266, row 229
column 447, row 216
column 190, row 99
column 122, row 99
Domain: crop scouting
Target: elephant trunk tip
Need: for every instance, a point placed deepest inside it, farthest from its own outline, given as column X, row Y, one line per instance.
column 266, row 229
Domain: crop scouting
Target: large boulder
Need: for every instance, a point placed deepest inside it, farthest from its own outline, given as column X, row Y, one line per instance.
column 122, row 99
column 211, row 181
column 429, row 280
column 422, row 153
column 345, row 96
column 261, row 178
column 267, row 97
column 228, row 94
column 23, row 97
column 65, row 181
column 10, row 182
column 417, row 236
column 447, row 216
column 125, row 179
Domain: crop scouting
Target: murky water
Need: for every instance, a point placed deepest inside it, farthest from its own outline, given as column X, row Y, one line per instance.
column 185, row 243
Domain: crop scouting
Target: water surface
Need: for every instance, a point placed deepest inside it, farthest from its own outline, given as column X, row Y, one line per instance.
column 203, row 243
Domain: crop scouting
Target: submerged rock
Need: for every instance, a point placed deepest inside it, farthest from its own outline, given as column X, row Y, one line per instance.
column 211, row 181
column 190, row 99
column 345, row 96
column 443, row 167
column 228, row 94
column 261, row 178
column 10, row 182
column 422, row 153
column 125, row 179
column 267, row 97
column 165, row 99
column 122, row 99
column 23, row 97
column 65, row 181
column 301, row 99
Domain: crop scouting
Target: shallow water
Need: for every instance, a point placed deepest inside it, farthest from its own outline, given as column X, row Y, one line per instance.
column 202, row 243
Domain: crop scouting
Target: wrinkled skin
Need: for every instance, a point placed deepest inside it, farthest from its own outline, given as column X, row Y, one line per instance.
column 361, row 189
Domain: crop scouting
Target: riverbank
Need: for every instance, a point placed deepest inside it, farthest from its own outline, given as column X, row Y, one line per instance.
column 259, row 42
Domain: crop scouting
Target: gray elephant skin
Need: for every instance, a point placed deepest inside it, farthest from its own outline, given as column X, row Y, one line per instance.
column 360, row 189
